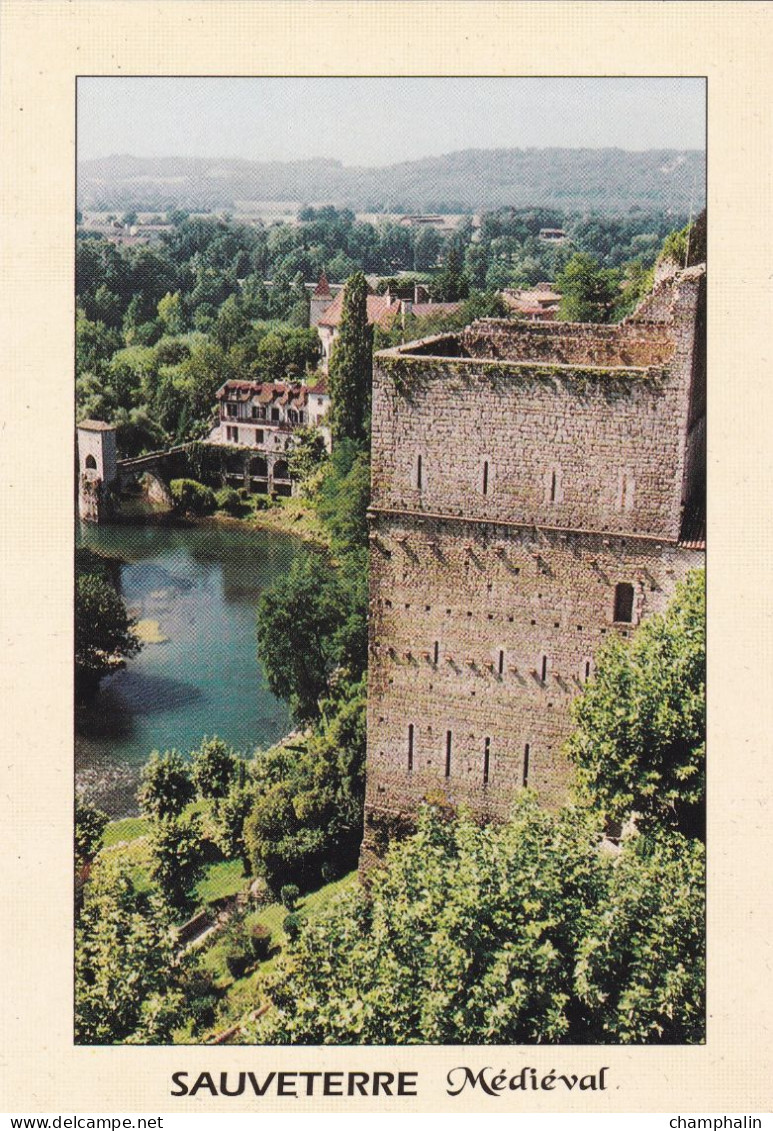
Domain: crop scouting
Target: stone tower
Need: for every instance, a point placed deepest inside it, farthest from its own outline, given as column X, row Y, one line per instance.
column 321, row 298
column 97, row 469
column 537, row 488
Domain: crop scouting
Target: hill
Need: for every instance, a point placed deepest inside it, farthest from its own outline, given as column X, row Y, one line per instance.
column 472, row 180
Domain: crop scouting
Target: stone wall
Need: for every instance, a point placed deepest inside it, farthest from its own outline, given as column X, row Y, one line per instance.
column 510, row 500
column 97, row 469
column 488, row 631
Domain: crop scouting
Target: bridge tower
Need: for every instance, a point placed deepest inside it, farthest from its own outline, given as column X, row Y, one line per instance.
column 97, row 469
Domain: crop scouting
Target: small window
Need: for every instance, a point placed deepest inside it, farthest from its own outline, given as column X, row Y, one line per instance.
column 275, row 415
column 410, row 746
column 553, row 489
column 91, row 463
column 624, row 603
column 485, row 477
column 418, row 473
column 625, row 491
column 526, row 765
column 258, row 435
column 501, row 664
column 544, row 669
column 448, row 753
column 436, row 652
column 486, row 759
column 231, row 409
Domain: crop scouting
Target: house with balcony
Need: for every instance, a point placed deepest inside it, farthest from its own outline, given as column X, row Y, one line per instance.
column 259, row 421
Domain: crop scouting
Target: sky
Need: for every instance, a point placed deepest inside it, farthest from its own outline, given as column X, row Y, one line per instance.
column 381, row 121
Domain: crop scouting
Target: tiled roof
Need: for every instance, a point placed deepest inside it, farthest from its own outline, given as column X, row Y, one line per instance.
column 381, row 310
column 427, row 309
column 322, row 289
column 319, row 385
column 96, row 426
column 265, row 392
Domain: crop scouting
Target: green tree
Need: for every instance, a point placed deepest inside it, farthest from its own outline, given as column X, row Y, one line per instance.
column 307, row 454
column 90, row 824
column 214, row 768
column 468, row 935
column 127, row 968
column 351, row 365
column 94, row 344
column 137, row 432
column 426, row 249
column 230, row 813
column 588, row 292
column 307, row 803
column 178, row 858
column 639, row 739
column 170, row 313
column 641, row 967
column 529, row 932
column 165, row 785
column 451, row 285
column 343, row 496
column 232, row 323
column 104, row 637
column 192, row 498
column 297, row 619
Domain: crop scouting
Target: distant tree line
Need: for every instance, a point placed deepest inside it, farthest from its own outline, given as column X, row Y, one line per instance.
column 159, row 327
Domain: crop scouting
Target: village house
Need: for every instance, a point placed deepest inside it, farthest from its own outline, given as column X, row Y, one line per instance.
column 383, row 310
column 540, row 304
column 552, row 235
column 261, row 420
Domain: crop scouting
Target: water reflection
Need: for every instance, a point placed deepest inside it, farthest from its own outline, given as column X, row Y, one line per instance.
column 200, row 584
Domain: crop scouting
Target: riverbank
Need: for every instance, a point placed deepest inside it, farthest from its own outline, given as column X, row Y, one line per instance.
column 285, row 516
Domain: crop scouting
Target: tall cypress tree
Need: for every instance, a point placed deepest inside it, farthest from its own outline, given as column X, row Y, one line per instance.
column 351, row 366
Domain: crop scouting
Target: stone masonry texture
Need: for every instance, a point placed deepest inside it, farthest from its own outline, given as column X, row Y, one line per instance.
column 526, row 479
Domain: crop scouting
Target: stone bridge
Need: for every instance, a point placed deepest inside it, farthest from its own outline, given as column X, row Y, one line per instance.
column 102, row 476
column 158, row 468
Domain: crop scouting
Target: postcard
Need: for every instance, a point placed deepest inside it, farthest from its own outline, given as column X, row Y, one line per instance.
column 396, row 401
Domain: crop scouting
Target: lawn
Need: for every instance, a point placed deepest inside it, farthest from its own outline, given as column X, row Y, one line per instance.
column 127, row 829
column 220, row 879
column 239, row 996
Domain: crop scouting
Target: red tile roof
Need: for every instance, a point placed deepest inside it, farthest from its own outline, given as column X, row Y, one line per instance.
column 322, row 289
column 267, row 392
column 381, row 310
column 427, row 309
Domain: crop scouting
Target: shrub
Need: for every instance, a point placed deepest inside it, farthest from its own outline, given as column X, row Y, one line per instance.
column 260, row 942
column 292, row 925
column 228, row 500
column 289, row 896
column 262, row 502
column 237, row 961
column 192, row 498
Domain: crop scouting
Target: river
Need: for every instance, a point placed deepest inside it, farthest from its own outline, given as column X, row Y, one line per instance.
column 200, row 583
